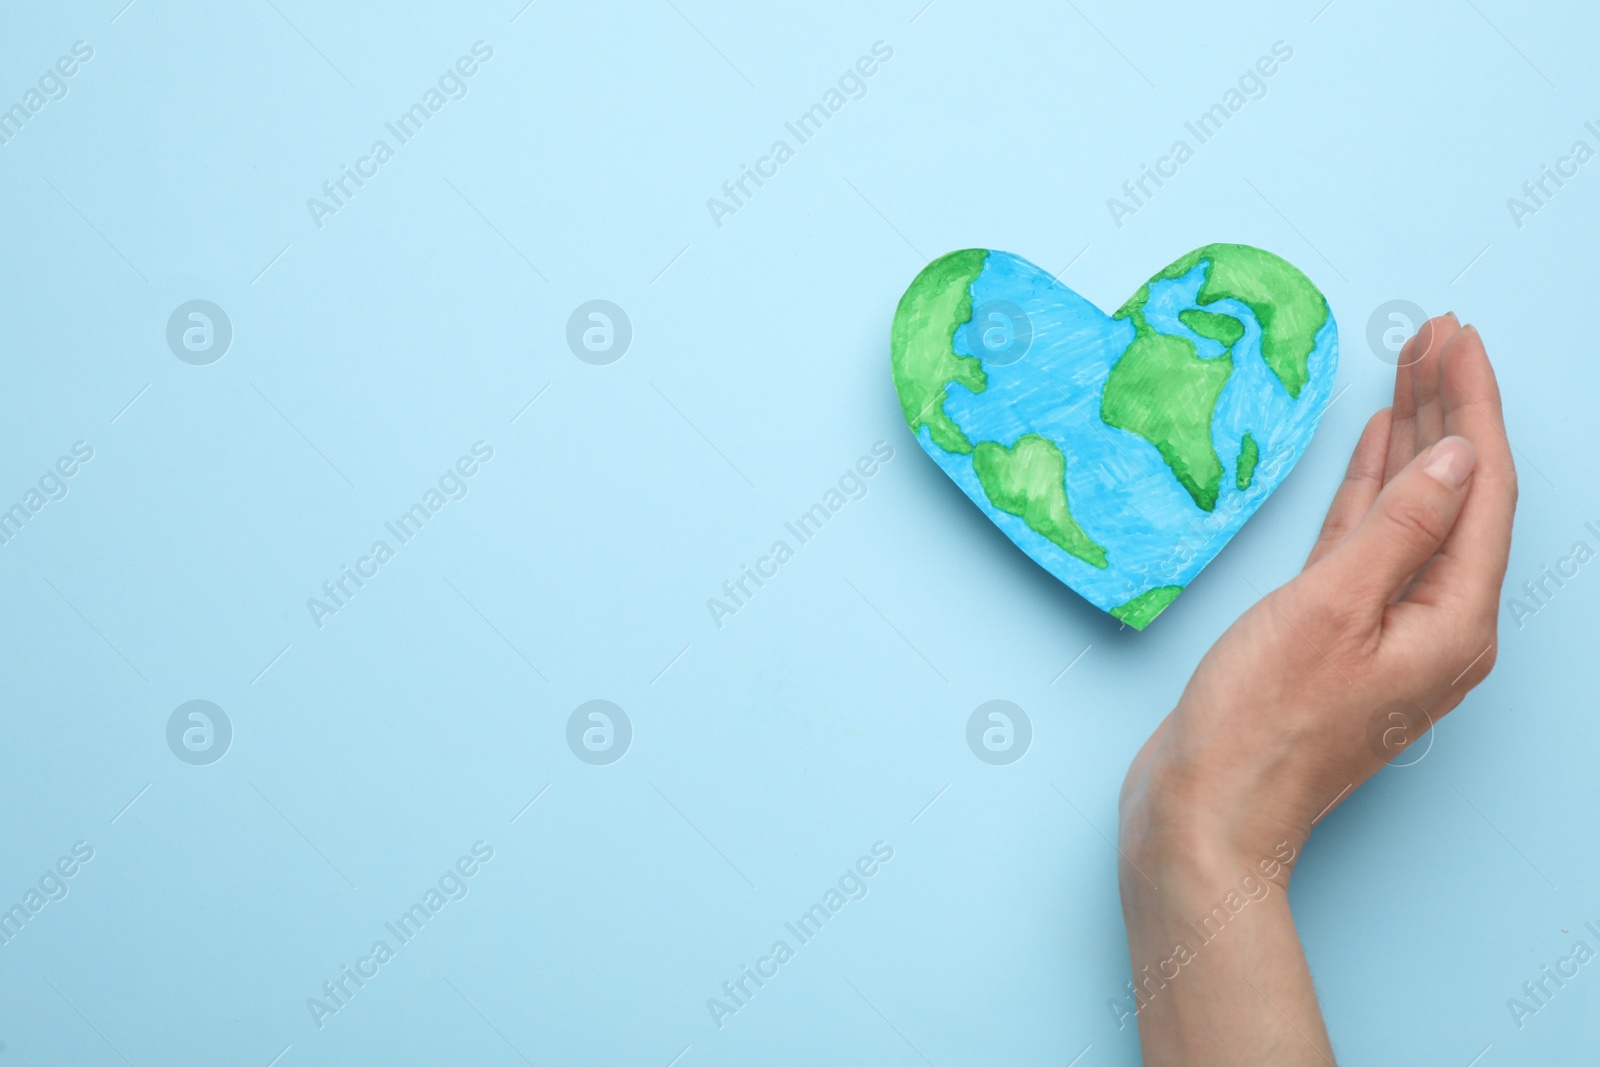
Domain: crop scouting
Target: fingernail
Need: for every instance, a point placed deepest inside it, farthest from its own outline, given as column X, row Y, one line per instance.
column 1450, row 462
column 1452, row 316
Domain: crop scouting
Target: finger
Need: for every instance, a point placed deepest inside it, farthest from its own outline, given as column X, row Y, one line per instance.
column 1472, row 563
column 1403, row 421
column 1406, row 524
column 1431, row 339
column 1363, row 480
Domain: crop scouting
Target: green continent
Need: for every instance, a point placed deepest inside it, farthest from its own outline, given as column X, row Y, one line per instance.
column 1163, row 391
column 1249, row 454
column 1224, row 329
column 1171, row 272
column 921, row 345
column 1138, row 612
column 1289, row 308
column 1029, row 480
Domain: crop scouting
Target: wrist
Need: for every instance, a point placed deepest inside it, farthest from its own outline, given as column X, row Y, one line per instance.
column 1201, row 874
column 1206, row 822
column 1177, row 850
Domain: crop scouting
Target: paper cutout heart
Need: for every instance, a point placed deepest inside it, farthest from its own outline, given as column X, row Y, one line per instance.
column 1121, row 451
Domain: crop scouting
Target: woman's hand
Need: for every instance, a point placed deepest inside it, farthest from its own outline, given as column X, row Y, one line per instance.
column 1389, row 625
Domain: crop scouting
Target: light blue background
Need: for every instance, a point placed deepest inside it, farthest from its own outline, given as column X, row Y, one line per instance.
column 828, row 713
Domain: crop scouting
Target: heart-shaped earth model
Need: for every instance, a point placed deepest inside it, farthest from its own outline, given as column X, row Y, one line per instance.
column 1120, row 451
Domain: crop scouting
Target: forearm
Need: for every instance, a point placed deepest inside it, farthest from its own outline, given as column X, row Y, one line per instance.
column 1295, row 706
column 1219, row 974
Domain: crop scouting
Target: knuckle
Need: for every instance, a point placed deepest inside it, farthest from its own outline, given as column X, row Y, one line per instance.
column 1415, row 521
column 1331, row 536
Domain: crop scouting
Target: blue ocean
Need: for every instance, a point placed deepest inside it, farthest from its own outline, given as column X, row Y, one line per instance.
column 1119, row 488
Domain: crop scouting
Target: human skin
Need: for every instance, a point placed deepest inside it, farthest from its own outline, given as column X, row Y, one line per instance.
column 1397, row 603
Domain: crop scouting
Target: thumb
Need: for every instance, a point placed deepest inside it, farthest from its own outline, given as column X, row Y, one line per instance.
column 1407, row 523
